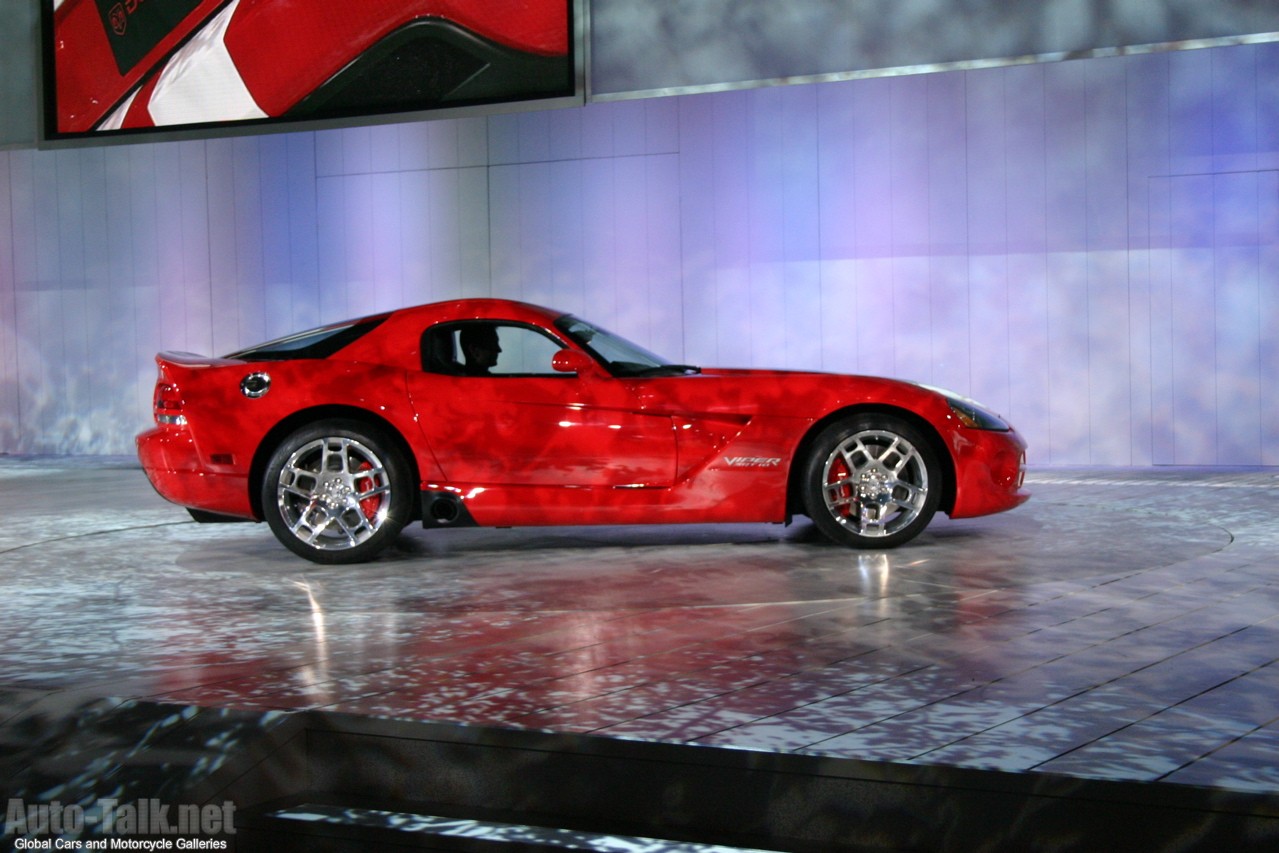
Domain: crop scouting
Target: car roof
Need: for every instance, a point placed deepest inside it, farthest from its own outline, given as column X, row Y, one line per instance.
column 484, row 308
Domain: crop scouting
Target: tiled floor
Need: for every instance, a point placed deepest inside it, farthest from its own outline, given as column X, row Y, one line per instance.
column 1122, row 625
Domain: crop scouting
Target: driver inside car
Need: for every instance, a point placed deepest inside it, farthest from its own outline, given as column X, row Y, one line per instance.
column 480, row 349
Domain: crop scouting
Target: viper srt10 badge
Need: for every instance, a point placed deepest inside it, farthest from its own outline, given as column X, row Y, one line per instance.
column 752, row 461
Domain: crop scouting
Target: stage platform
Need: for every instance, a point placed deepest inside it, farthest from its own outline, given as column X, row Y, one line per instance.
column 1099, row 661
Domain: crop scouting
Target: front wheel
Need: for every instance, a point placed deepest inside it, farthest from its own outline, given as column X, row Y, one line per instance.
column 337, row 492
column 872, row 481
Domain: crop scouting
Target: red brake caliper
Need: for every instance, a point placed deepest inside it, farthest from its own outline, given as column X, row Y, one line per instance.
column 369, row 506
column 839, row 471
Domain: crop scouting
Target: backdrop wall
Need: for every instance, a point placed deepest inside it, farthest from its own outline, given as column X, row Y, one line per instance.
column 1091, row 247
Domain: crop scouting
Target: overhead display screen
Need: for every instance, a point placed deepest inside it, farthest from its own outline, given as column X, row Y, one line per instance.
column 642, row 48
column 129, row 66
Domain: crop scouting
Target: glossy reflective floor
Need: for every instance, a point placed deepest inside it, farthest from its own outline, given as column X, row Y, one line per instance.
column 1122, row 625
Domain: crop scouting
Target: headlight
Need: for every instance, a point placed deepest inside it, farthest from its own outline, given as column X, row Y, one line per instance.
column 971, row 413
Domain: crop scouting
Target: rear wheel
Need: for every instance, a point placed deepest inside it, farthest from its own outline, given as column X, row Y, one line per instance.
column 337, row 492
column 872, row 481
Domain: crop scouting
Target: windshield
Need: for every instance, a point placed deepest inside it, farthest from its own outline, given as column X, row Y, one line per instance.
column 620, row 356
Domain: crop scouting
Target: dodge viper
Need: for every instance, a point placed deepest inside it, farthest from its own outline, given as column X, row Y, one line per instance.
column 122, row 64
column 499, row 413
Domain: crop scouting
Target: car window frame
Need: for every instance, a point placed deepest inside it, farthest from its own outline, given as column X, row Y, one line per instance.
column 452, row 326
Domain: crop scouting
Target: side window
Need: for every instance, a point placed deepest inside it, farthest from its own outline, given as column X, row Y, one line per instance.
column 480, row 348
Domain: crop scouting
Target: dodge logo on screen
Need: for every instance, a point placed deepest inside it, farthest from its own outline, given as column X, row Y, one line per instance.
column 136, row 26
column 119, row 19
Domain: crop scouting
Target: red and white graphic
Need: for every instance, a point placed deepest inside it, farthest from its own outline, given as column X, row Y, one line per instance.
column 121, row 64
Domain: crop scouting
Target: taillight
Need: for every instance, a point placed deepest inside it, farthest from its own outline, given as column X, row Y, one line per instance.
column 168, row 404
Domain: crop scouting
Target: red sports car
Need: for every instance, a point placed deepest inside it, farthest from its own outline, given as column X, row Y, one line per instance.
column 497, row 413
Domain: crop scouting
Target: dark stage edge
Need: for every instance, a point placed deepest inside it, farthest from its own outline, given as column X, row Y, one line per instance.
column 1094, row 670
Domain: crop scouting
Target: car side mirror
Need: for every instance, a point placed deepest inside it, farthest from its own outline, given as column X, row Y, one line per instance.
column 573, row 361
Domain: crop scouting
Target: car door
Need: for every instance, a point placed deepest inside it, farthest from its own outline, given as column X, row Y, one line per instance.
column 517, row 421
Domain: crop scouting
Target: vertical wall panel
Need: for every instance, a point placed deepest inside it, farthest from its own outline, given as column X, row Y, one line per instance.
column 504, row 217
column 439, row 266
column 565, row 140
column 523, row 254
column 194, row 249
column 10, row 411
column 1194, row 350
column 625, row 268
column 1267, row 105
column 948, row 238
column 872, row 226
column 1108, row 290
column 732, row 149
column 64, row 291
column 417, row 143
column 329, row 155
column 1065, row 161
column 662, row 260
column 630, row 129
column 332, row 217
column 834, row 325
column 418, row 235
column 139, row 235
column 532, row 132
column 386, row 245
column 110, row 338
column 600, row 297
column 1025, row 135
column 1234, row 131
column 800, row 228
column 1237, row 304
column 249, row 280
column 1161, row 271
column 169, row 288
column 987, row 214
column 765, row 182
column 1268, row 311
column 38, row 277
column 223, row 261
column 1191, row 112
column 91, row 363
column 503, row 135
column 356, row 150
column 661, row 125
column 465, row 195
column 909, row 286
column 1147, row 154
column 310, row 304
column 383, row 141
column 1237, row 188
column 569, row 232
column 357, row 284
column 697, row 228
column 132, row 364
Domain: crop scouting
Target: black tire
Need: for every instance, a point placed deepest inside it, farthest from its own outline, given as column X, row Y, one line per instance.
column 872, row 481
column 337, row 492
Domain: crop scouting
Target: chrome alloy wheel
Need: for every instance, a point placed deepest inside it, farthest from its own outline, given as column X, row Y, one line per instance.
column 875, row 482
column 333, row 493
